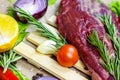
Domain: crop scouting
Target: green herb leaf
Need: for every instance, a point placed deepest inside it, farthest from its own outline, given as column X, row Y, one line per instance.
column 104, row 53
column 7, row 58
column 22, row 32
column 51, row 2
column 111, row 63
column 14, row 56
column 44, row 31
column 115, row 7
column 10, row 13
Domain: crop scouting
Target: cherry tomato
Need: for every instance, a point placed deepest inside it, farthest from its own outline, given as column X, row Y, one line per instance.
column 8, row 75
column 67, row 56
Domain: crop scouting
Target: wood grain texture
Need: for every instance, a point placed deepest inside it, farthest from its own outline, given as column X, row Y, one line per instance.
column 52, row 21
column 35, row 38
column 50, row 11
column 47, row 63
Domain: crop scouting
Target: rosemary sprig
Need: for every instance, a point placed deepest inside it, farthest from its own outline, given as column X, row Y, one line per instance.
column 44, row 31
column 104, row 53
column 112, row 33
column 7, row 58
column 115, row 7
column 111, row 63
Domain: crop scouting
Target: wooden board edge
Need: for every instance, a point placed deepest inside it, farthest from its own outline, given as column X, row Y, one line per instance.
column 63, row 73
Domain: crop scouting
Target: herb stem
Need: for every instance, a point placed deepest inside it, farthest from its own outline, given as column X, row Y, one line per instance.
column 44, row 31
column 105, row 54
column 111, row 63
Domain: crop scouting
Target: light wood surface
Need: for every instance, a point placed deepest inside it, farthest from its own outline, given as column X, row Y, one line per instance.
column 47, row 63
column 28, row 69
column 36, row 39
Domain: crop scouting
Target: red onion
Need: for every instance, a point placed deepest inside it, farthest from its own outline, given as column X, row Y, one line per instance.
column 46, row 78
column 37, row 8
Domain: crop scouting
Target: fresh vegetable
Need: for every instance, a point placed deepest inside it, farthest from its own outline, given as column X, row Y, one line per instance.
column 67, row 55
column 8, row 58
column 41, row 77
column 8, row 75
column 46, row 78
column 46, row 32
column 47, row 47
column 111, row 63
column 37, row 8
column 8, row 32
column 115, row 6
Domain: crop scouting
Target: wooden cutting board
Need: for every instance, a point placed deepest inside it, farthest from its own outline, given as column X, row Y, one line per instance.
column 43, row 64
column 28, row 51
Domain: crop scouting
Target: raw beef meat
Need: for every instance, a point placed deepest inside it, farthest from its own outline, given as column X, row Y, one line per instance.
column 76, row 20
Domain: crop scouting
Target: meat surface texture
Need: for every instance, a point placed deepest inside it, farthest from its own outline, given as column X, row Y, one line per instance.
column 76, row 20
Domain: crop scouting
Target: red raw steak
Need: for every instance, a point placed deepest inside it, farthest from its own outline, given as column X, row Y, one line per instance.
column 76, row 20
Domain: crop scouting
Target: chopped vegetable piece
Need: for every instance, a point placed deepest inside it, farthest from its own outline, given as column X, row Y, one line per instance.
column 47, row 47
column 8, row 58
column 8, row 75
column 8, row 32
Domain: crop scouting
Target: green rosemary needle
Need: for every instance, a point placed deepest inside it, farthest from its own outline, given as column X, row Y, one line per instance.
column 112, row 33
column 44, row 31
column 107, row 61
column 112, row 64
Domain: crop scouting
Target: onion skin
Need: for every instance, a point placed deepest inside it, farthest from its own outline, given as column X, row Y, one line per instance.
column 47, row 78
column 36, row 8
